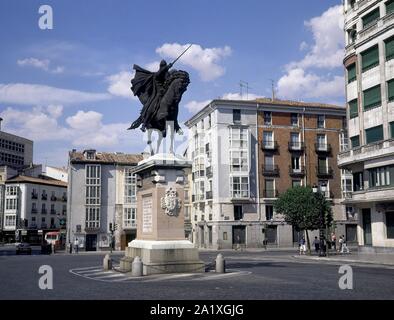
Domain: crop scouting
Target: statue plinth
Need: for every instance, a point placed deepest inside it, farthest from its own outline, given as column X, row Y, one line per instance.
column 161, row 242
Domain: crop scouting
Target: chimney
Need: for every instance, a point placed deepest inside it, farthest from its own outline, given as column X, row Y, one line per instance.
column 1, row 120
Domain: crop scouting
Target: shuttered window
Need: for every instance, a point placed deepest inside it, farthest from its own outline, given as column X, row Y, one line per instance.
column 351, row 73
column 389, row 45
column 389, row 6
column 353, row 108
column 372, row 98
column 371, row 18
column 390, row 90
column 370, row 58
column 355, row 141
column 392, row 129
column 374, row 134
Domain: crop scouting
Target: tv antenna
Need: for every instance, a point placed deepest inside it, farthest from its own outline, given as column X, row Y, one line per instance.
column 244, row 84
column 273, row 89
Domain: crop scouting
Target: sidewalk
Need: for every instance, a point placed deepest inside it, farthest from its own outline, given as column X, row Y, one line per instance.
column 368, row 258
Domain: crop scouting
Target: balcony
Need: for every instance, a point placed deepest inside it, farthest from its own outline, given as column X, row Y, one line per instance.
column 208, row 171
column 324, row 172
column 376, row 26
column 34, row 195
column 296, row 146
column 43, row 225
column 53, row 211
column 43, row 211
column 44, row 196
column 297, row 172
column 208, row 195
column 269, row 146
column 366, row 152
column 34, row 210
column 64, row 198
column 270, row 170
column 53, row 198
column 271, row 193
column 323, row 148
column 197, row 197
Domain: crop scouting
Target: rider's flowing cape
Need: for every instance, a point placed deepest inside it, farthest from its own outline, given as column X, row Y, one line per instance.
column 146, row 89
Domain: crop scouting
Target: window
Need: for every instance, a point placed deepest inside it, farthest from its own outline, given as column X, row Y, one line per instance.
column 11, row 204
column 370, row 18
column 322, row 165
column 296, row 183
column 129, row 217
column 294, row 119
column 351, row 73
column 389, row 48
column 267, row 118
column 239, row 138
column 53, row 209
column 352, row 3
column 43, row 208
column 353, row 108
column 269, row 188
column 224, row 236
column 10, row 220
column 372, row 98
column 93, row 185
column 358, row 181
column 392, row 129
column 239, row 161
column 239, row 187
column 389, row 6
column 390, row 90
column 209, row 120
column 295, row 140
column 130, row 187
column 370, row 58
column 34, row 207
column 390, row 225
column 321, row 142
column 238, row 213
column 380, row 177
column 269, row 212
column 374, row 134
column 11, row 191
column 268, row 139
column 321, row 121
column 92, row 217
column 355, row 141
column 352, row 34
column 269, row 163
column 295, row 164
column 236, row 115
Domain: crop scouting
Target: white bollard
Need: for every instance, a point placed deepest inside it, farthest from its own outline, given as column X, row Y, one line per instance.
column 136, row 267
column 220, row 264
column 107, row 263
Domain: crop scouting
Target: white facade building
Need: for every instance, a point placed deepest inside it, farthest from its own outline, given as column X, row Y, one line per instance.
column 102, row 193
column 369, row 62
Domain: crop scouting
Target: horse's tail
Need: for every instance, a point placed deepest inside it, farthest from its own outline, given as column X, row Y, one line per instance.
column 136, row 124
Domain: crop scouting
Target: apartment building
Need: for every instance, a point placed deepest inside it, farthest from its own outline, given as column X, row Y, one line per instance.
column 369, row 63
column 245, row 153
column 102, row 194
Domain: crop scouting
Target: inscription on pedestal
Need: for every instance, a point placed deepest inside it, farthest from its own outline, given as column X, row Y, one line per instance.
column 147, row 219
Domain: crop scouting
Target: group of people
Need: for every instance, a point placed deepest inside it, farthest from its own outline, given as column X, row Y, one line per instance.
column 333, row 244
column 74, row 246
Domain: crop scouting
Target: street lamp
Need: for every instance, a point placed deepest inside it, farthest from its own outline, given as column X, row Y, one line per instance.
column 321, row 189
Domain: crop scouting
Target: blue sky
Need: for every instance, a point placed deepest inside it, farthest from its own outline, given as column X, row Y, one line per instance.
column 69, row 87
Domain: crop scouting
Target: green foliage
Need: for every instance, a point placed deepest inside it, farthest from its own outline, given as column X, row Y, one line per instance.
column 302, row 208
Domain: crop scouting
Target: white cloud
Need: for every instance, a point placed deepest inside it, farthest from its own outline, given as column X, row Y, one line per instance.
column 83, row 129
column 120, row 84
column 325, row 54
column 204, row 61
column 40, row 64
column 195, row 106
column 34, row 94
column 298, row 84
column 153, row 66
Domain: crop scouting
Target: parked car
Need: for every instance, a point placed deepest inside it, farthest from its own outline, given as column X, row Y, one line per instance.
column 23, row 248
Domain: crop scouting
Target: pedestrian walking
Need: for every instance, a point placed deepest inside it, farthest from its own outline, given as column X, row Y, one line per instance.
column 76, row 245
column 70, row 247
column 316, row 242
column 302, row 246
column 334, row 241
column 344, row 246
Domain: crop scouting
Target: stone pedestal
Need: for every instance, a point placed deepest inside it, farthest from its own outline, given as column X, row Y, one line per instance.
column 161, row 242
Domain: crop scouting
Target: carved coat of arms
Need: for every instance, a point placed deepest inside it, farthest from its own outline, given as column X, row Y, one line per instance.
column 170, row 202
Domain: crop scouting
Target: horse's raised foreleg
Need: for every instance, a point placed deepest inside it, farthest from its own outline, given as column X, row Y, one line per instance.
column 150, row 141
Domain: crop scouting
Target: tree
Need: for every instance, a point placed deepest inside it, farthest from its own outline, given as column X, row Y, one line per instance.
column 303, row 210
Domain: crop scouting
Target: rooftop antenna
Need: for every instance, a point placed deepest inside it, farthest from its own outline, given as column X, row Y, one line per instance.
column 273, row 89
column 244, row 84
